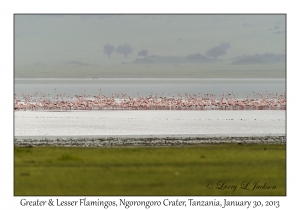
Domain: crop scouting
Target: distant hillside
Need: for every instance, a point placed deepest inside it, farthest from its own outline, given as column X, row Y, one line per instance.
column 199, row 58
column 259, row 59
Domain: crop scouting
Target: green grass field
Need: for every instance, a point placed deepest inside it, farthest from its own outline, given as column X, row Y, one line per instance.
column 223, row 169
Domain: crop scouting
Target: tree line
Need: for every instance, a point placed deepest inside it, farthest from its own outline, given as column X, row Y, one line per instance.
column 127, row 49
column 124, row 49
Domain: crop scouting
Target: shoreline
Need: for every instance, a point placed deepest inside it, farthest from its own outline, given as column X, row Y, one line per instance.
column 142, row 141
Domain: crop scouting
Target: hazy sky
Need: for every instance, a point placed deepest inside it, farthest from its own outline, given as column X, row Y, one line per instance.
column 55, row 39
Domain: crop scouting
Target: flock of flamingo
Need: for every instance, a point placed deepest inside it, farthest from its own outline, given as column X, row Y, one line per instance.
column 229, row 101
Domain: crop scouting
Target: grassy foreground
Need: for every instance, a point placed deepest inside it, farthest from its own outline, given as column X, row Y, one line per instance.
column 230, row 169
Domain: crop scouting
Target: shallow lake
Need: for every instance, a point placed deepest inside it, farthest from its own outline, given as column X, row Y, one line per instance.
column 149, row 122
column 144, row 87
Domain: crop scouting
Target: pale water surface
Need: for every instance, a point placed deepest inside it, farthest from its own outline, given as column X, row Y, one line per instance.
column 150, row 122
column 145, row 86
